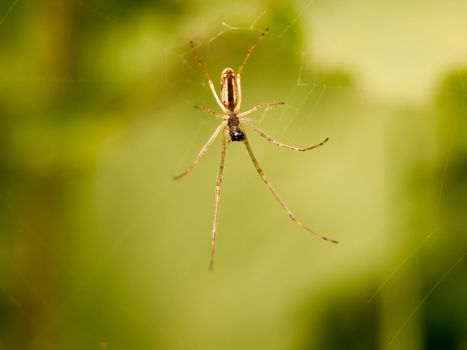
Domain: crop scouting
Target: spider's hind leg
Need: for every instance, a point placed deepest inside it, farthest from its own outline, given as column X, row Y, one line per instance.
column 209, row 111
column 259, row 107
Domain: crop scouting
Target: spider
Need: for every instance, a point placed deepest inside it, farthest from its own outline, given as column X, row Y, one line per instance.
column 233, row 122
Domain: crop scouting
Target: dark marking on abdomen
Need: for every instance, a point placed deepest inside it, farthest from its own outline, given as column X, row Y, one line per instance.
column 230, row 92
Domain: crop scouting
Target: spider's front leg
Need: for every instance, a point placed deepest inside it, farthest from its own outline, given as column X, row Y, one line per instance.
column 218, row 197
column 284, row 206
column 202, row 152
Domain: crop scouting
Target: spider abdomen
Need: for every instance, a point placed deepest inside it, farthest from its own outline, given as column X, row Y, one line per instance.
column 229, row 89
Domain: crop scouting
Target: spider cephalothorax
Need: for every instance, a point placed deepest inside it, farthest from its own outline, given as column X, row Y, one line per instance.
column 236, row 134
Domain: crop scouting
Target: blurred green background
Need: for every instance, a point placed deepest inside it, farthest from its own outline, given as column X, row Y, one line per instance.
column 99, row 249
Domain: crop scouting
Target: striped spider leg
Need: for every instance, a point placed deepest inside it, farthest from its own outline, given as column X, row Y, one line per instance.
column 232, row 125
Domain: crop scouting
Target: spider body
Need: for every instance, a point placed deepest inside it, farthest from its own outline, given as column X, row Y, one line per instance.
column 232, row 119
column 229, row 98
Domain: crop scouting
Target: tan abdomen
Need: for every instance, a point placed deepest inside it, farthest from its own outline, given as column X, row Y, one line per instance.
column 229, row 92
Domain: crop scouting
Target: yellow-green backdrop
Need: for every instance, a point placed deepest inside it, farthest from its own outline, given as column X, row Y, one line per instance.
column 100, row 249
